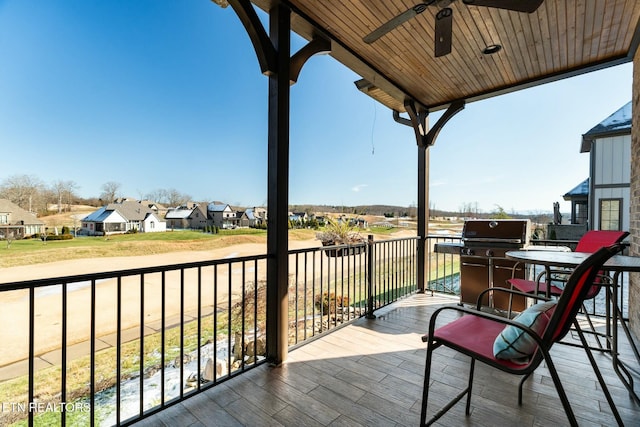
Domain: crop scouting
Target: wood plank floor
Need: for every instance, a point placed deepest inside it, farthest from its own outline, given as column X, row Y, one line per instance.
column 370, row 374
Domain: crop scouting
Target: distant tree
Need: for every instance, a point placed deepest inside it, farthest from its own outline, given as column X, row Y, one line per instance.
column 469, row 210
column 176, row 198
column 26, row 191
column 64, row 191
column 159, row 195
column 110, row 191
column 169, row 197
column 500, row 213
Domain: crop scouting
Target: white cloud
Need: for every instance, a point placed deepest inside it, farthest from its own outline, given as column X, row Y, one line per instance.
column 358, row 187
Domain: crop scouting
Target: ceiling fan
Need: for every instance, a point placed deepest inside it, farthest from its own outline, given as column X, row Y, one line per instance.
column 444, row 18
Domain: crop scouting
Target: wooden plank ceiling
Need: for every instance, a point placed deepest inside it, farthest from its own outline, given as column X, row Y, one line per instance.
column 561, row 38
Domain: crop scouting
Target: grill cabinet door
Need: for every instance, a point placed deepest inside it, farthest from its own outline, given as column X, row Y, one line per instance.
column 475, row 277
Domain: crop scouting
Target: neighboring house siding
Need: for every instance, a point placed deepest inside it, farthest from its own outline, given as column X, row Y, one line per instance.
column 611, row 176
column 152, row 224
column 612, row 165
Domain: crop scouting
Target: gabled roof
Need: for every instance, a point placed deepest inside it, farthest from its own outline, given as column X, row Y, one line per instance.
column 178, row 213
column 579, row 191
column 17, row 214
column 97, row 216
column 129, row 210
column 618, row 123
column 217, row 207
column 198, row 209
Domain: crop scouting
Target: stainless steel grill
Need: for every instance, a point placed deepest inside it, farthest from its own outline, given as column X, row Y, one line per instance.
column 482, row 259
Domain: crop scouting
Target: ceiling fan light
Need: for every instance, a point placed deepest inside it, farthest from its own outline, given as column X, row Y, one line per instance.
column 491, row 49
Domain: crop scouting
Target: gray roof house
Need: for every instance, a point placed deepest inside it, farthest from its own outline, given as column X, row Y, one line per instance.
column 16, row 222
column 187, row 217
column 221, row 214
column 602, row 201
column 123, row 217
column 609, row 147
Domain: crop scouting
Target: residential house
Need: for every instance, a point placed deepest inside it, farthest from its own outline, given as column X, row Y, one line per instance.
column 221, row 215
column 260, row 215
column 609, row 146
column 299, row 218
column 198, row 219
column 187, row 217
column 16, row 222
column 249, row 218
column 245, row 218
column 579, row 198
column 122, row 217
column 178, row 217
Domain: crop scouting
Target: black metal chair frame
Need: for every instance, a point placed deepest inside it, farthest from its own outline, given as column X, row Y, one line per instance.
column 563, row 318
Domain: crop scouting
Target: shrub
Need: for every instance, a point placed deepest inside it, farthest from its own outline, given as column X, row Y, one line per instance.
column 327, row 302
column 59, row 237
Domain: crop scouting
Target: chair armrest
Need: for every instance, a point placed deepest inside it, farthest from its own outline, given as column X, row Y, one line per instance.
column 509, row 291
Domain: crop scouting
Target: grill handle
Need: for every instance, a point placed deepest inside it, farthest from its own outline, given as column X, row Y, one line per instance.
column 490, row 240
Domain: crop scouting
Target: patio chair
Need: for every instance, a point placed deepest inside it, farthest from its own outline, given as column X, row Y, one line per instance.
column 517, row 346
column 590, row 242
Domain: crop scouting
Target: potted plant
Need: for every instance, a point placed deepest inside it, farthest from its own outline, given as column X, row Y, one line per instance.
column 338, row 233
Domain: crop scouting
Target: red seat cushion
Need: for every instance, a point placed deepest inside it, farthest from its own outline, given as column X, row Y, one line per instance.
column 529, row 286
column 476, row 335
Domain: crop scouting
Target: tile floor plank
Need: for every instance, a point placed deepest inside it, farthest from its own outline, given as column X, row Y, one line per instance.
column 370, row 373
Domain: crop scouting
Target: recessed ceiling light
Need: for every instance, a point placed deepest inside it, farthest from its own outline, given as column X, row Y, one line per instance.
column 491, row 49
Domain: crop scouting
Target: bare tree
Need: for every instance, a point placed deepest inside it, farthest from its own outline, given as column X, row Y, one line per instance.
column 159, row 196
column 110, row 191
column 176, row 198
column 25, row 191
column 63, row 191
column 170, row 197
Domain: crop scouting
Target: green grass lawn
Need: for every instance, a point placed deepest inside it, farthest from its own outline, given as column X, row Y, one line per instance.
column 34, row 251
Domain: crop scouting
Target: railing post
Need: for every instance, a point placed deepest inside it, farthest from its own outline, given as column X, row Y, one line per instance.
column 370, row 274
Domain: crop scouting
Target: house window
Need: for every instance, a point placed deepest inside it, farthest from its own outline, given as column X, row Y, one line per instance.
column 581, row 213
column 4, row 219
column 610, row 214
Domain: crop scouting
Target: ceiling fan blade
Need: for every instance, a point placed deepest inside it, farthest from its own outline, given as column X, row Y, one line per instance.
column 527, row 6
column 444, row 32
column 395, row 22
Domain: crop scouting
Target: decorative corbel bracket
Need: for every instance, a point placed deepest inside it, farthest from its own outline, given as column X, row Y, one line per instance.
column 418, row 116
column 317, row 45
column 454, row 108
column 265, row 51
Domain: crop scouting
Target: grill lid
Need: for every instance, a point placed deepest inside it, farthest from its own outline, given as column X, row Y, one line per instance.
column 513, row 231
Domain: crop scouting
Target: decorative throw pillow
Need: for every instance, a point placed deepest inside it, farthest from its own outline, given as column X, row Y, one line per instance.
column 514, row 343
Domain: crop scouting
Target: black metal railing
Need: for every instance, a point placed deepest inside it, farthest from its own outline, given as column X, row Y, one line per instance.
column 111, row 348
column 443, row 267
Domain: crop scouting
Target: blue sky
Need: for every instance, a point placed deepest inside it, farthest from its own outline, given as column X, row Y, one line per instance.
column 168, row 94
